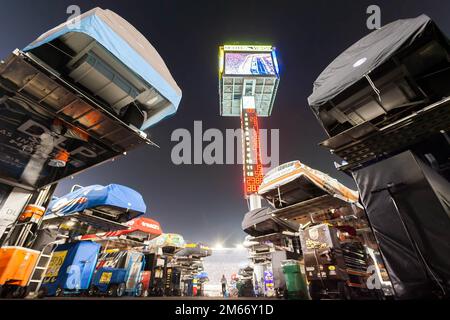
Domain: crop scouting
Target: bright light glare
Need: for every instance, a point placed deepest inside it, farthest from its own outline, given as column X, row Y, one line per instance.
column 218, row 246
column 239, row 246
column 359, row 62
column 70, row 223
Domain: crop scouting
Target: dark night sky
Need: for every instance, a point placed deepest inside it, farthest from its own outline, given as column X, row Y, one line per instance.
column 204, row 203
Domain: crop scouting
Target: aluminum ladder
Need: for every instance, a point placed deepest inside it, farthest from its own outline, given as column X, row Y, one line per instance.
column 43, row 261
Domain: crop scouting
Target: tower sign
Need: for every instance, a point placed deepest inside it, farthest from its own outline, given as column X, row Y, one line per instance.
column 248, row 82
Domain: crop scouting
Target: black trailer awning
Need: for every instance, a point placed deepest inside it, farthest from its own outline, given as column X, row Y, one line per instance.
column 194, row 250
column 260, row 222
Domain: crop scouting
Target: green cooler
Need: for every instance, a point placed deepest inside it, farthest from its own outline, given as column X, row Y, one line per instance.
column 295, row 282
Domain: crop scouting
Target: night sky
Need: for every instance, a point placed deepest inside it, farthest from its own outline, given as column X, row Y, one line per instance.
column 201, row 202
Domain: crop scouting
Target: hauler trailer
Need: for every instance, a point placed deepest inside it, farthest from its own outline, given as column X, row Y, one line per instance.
column 310, row 197
column 277, row 240
column 190, row 259
column 81, row 94
column 384, row 103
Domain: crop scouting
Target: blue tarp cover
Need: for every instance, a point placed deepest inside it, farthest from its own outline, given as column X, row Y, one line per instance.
column 130, row 47
column 96, row 195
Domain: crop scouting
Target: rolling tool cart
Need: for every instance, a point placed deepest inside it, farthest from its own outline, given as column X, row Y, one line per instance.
column 71, row 269
column 156, row 264
column 163, row 273
column 121, row 267
column 118, row 274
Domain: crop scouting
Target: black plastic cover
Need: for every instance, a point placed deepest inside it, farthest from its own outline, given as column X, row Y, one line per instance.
column 422, row 197
column 364, row 56
column 260, row 222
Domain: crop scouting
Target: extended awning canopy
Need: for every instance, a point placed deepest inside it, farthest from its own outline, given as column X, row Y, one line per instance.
column 195, row 250
column 105, row 54
column 169, row 243
column 262, row 221
column 139, row 230
column 44, row 117
column 81, row 94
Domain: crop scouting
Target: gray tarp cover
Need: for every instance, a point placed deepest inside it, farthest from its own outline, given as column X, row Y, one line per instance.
column 264, row 215
column 370, row 52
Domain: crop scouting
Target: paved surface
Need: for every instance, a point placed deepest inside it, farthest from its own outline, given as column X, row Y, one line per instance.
column 155, row 298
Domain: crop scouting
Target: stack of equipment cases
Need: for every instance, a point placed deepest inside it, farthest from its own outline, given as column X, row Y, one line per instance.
column 175, row 282
column 334, row 269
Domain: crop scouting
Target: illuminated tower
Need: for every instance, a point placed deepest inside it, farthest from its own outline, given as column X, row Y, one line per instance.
column 248, row 82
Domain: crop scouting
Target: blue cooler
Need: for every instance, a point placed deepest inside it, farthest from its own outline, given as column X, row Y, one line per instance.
column 71, row 268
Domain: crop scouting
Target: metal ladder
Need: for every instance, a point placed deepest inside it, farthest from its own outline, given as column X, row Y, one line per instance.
column 43, row 261
column 6, row 233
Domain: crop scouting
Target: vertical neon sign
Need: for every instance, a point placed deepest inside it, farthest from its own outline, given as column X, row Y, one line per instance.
column 252, row 164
